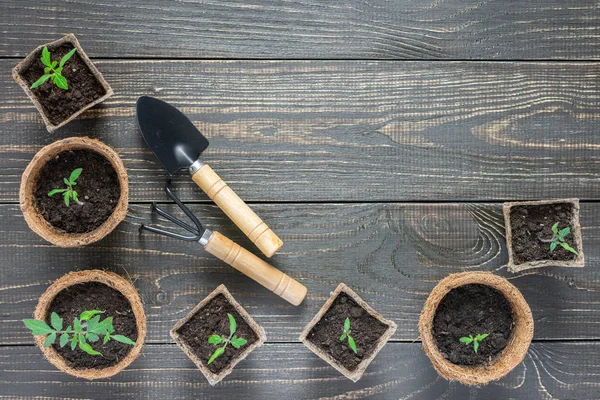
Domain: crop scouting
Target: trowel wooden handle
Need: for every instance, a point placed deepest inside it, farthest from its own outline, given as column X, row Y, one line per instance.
column 238, row 211
column 255, row 268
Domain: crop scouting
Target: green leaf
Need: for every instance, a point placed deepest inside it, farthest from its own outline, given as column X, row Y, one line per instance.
column 352, row 344
column 564, row 232
column 67, row 56
column 481, row 336
column 106, row 338
column 465, row 340
column 347, row 324
column 216, row 354
column 75, row 174
column 92, row 337
column 46, row 57
column 53, row 65
column 75, row 196
column 123, row 339
column 76, row 325
column 555, row 228
column 50, row 339
column 64, row 339
column 67, row 197
column 238, row 342
column 553, row 245
column 74, row 342
column 105, row 326
column 476, row 346
column 94, row 326
column 40, row 81
column 60, row 81
column 58, row 70
column 215, row 339
column 66, row 181
column 569, row 248
column 69, row 329
column 232, row 324
column 88, row 349
column 81, row 337
column 86, row 315
column 343, row 337
column 54, row 191
column 37, row 327
column 56, row 321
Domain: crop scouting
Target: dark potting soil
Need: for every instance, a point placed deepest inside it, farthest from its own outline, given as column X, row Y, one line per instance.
column 60, row 104
column 212, row 319
column 471, row 310
column 97, row 187
column 531, row 228
column 365, row 329
column 72, row 301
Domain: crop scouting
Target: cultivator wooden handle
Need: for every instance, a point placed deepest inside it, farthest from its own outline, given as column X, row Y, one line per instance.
column 255, row 268
column 238, row 211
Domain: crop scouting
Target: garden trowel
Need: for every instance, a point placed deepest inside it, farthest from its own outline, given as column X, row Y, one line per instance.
column 177, row 143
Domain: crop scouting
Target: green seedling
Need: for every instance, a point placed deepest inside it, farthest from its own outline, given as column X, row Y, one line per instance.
column 559, row 238
column 86, row 328
column 475, row 340
column 346, row 335
column 235, row 341
column 69, row 193
column 52, row 71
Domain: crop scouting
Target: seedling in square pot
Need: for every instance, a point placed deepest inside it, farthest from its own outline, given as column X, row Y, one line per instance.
column 51, row 71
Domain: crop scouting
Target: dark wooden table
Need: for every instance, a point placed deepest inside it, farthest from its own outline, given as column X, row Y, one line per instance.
column 378, row 139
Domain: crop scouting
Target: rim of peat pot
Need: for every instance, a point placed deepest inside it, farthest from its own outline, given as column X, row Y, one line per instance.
column 112, row 280
column 70, row 38
column 509, row 358
column 578, row 261
column 213, row 378
column 29, row 180
column 355, row 375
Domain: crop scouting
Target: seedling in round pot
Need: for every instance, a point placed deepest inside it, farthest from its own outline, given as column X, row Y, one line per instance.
column 217, row 334
column 61, row 81
column 475, row 327
column 347, row 333
column 543, row 233
column 74, row 192
column 89, row 324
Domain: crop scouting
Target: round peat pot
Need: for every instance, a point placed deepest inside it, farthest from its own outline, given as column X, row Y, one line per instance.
column 112, row 281
column 29, row 186
column 502, row 363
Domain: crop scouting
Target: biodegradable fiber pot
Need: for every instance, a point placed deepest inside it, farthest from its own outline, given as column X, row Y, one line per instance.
column 518, row 342
column 58, row 107
column 528, row 233
column 111, row 280
column 209, row 317
column 29, row 182
column 369, row 330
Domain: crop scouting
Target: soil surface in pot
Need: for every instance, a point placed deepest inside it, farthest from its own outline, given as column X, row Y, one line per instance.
column 212, row 319
column 97, row 187
column 531, row 228
column 365, row 329
column 59, row 104
column 72, row 301
column 471, row 310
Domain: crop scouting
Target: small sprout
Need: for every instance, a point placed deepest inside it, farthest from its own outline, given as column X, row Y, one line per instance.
column 69, row 193
column 346, row 335
column 235, row 341
column 475, row 340
column 559, row 238
column 86, row 328
column 51, row 71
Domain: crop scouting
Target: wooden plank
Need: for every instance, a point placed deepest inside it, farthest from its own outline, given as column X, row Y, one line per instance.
column 551, row 370
column 351, row 131
column 406, row 29
column 391, row 254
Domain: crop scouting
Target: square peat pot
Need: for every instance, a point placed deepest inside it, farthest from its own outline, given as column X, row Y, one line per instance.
column 529, row 234
column 209, row 318
column 86, row 86
column 369, row 330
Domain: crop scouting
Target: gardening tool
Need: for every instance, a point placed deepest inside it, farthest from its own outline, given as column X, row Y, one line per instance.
column 178, row 143
column 230, row 252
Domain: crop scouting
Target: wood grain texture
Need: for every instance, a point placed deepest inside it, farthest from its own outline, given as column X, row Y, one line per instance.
column 354, row 130
column 392, row 255
column 551, row 370
column 405, row 29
